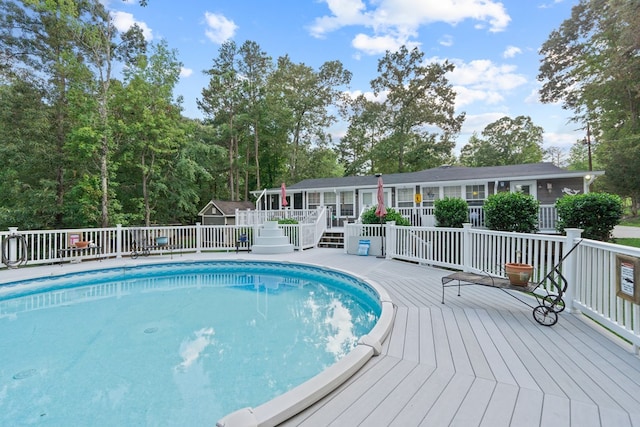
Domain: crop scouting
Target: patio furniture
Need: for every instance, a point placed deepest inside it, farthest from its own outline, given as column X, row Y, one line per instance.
column 74, row 251
column 548, row 299
column 140, row 245
column 243, row 241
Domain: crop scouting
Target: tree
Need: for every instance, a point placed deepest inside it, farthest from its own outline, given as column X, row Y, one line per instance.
column 506, row 141
column 221, row 101
column 254, row 67
column 590, row 64
column 151, row 128
column 367, row 125
column 38, row 40
column 417, row 97
column 307, row 95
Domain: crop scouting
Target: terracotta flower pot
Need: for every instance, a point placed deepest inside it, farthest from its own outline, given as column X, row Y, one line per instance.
column 82, row 244
column 519, row 274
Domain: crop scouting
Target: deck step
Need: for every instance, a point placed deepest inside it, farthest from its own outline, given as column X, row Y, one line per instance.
column 332, row 239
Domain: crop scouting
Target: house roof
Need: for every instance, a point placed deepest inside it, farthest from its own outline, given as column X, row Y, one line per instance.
column 446, row 174
column 227, row 207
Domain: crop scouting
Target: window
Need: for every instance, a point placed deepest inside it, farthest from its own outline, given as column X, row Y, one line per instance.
column 429, row 194
column 453, row 191
column 330, row 198
column 314, row 200
column 405, row 197
column 475, row 192
column 330, row 201
column 346, row 203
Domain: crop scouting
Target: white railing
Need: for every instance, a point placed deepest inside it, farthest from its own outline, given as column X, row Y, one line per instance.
column 592, row 270
column 254, row 217
column 48, row 247
column 420, row 216
column 597, row 288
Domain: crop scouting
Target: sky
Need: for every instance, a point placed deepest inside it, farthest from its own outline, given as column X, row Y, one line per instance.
column 493, row 44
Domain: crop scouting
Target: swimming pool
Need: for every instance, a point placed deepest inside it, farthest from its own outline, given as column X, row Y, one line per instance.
column 188, row 342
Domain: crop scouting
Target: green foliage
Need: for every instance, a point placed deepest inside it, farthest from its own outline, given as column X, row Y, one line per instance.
column 588, row 66
column 505, row 142
column 517, row 212
column 287, row 221
column 451, row 212
column 595, row 213
column 414, row 128
column 369, row 217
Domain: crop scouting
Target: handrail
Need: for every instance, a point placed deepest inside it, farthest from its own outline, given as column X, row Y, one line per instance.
column 260, row 197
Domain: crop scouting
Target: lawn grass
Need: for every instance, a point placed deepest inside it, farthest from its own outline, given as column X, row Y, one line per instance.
column 628, row 241
column 633, row 221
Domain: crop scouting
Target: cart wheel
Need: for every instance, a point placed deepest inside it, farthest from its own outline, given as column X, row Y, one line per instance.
column 134, row 255
column 146, row 252
column 545, row 315
column 554, row 303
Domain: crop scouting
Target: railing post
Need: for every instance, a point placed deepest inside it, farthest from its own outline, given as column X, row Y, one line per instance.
column 118, row 240
column 199, row 236
column 573, row 234
column 466, row 246
column 389, row 237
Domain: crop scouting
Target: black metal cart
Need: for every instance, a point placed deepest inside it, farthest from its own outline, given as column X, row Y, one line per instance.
column 548, row 305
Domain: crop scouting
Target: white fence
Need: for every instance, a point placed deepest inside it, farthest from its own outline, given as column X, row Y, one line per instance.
column 592, row 269
column 547, row 216
column 49, row 247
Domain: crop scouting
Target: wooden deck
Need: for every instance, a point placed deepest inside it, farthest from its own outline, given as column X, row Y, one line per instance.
column 478, row 360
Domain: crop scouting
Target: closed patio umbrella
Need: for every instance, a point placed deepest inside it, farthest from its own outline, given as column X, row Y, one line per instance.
column 283, row 190
column 381, row 211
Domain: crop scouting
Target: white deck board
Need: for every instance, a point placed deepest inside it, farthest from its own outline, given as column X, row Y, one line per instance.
column 478, row 360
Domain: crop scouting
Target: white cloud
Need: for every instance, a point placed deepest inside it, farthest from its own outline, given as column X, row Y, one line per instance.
column 484, row 74
column 220, row 29
column 185, row 72
column 380, row 44
column 562, row 140
column 446, row 40
column 399, row 20
column 123, row 21
column 511, row 51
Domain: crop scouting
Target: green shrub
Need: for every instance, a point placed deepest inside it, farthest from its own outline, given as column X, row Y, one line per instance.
column 595, row 213
column 451, row 212
column 517, row 212
column 287, row 221
column 369, row 217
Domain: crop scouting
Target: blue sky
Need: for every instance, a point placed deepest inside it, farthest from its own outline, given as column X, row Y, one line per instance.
column 494, row 45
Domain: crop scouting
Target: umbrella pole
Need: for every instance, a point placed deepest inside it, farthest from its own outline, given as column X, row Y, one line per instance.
column 382, row 233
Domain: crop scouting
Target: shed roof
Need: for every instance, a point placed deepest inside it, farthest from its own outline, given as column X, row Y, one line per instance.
column 228, row 207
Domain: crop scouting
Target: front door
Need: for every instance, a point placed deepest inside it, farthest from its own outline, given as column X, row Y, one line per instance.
column 369, row 198
column 526, row 187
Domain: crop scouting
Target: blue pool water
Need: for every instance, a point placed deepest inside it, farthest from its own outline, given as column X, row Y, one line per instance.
column 171, row 344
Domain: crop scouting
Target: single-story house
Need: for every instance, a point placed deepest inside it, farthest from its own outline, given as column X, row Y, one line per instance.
column 222, row 212
column 414, row 193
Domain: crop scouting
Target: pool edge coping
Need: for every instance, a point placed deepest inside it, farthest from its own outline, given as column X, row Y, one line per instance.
column 294, row 401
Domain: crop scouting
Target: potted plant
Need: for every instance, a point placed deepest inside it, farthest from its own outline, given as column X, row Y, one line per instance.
column 519, row 274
